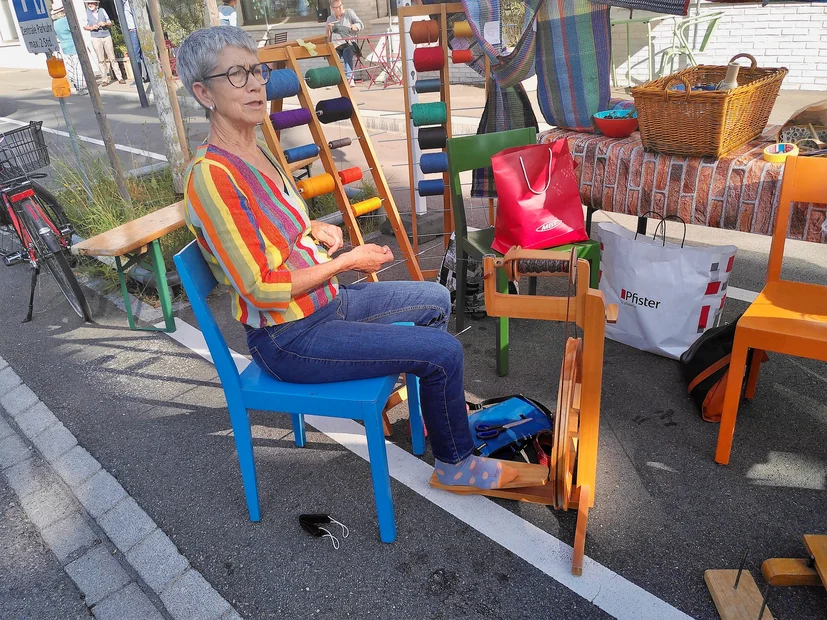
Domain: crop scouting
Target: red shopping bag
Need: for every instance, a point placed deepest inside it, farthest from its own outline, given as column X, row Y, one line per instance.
column 538, row 198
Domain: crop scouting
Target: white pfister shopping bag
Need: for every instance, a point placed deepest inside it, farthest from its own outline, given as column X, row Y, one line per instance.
column 666, row 295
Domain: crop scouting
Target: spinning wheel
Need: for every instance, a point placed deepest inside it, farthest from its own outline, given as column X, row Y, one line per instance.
column 568, row 481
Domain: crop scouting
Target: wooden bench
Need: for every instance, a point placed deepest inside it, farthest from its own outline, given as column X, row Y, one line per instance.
column 137, row 240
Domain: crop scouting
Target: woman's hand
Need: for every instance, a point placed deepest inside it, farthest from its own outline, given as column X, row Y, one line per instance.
column 368, row 258
column 328, row 235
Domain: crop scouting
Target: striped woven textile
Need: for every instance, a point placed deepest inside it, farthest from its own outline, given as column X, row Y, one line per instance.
column 738, row 192
column 253, row 232
column 670, row 7
column 505, row 108
column 573, row 51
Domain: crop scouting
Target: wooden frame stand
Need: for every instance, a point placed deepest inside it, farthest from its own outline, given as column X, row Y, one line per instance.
column 288, row 56
column 569, row 481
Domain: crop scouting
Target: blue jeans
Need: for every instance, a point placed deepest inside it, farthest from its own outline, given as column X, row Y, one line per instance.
column 348, row 59
column 353, row 338
column 136, row 46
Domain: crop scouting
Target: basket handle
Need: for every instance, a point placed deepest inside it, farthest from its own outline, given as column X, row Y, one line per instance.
column 677, row 78
column 745, row 55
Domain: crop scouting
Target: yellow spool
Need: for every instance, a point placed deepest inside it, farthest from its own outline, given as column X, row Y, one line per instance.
column 772, row 155
column 316, row 186
column 366, row 206
column 462, row 29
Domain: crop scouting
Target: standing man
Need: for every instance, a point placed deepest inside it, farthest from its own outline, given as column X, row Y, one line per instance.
column 341, row 24
column 98, row 23
column 133, row 37
column 67, row 48
column 226, row 13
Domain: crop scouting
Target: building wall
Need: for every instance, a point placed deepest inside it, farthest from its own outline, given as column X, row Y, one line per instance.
column 791, row 35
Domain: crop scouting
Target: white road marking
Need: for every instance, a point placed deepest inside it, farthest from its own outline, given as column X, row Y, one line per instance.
column 599, row 585
column 741, row 294
column 120, row 147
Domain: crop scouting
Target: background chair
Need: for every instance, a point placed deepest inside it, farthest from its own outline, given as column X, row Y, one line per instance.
column 255, row 389
column 469, row 153
column 787, row 317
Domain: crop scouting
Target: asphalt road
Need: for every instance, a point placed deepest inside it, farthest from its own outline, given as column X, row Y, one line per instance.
column 153, row 414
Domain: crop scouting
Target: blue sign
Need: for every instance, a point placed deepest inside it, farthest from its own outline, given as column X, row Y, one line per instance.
column 36, row 25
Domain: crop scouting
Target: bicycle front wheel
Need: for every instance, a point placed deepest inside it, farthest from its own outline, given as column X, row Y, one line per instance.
column 51, row 254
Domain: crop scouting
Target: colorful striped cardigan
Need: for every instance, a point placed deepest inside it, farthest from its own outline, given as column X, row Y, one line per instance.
column 253, row 232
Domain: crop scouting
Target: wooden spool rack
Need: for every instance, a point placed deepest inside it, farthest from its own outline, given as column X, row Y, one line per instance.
column 288, row 55
column 569, row 481
column 441, row 13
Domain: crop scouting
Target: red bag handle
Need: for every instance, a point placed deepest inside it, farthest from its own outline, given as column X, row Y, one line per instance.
column 548, row 181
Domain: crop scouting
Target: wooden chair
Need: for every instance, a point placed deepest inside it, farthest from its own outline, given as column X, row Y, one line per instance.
column 254, row 389
column 469, row 153
column 787, row 317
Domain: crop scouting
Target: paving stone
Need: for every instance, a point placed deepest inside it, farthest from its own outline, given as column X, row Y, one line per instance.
column 29, row 476
column 191, row 596
column 5, row 429
column 54, row 442
column 36, row 420
column 18, row 400
column 97, row 574
column 100, row 493
column 47, row 506
column 76, row 466
column 126, row 524
column 129, row 602
column 13, row 451
column 157, row 561
column 8, row 381
column 68, row 535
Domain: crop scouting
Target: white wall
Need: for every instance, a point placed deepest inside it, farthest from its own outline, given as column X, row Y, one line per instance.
column 791, row 35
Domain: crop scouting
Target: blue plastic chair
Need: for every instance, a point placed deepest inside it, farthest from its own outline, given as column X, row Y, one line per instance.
column 254, row 389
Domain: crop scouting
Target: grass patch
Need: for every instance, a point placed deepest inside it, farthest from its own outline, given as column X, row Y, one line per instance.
column 107, row 209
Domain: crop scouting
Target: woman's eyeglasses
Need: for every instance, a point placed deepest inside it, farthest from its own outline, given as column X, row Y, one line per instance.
column 238, row 75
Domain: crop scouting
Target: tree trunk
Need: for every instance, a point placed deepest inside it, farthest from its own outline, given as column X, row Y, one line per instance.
column 210, row 13
column 163, row 89
column 97, row 103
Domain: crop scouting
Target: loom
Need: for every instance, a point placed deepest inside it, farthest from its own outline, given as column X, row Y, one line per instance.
column 565, row 479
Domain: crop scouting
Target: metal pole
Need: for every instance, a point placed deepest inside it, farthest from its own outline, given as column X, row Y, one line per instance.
column 73, row 139
column 97, row 103
column 133, row 53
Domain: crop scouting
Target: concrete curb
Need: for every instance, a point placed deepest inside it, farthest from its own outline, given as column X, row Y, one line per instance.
column 118, row 557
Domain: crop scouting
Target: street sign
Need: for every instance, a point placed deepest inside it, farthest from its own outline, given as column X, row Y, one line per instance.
column 36, row 25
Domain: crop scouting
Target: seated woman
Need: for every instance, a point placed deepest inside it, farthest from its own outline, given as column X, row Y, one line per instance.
column 302, row 325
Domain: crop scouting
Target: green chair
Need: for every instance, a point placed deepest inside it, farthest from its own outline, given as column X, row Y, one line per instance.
column 470, row 153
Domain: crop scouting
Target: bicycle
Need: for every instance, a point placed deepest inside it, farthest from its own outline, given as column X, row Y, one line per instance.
column 36, row 217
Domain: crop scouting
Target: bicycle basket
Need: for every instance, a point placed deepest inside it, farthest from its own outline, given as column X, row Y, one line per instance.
column 22, row 150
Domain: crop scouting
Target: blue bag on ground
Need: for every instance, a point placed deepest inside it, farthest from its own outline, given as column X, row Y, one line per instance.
column 496, row 412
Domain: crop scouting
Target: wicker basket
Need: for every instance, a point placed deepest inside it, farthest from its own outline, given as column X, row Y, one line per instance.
column 706, row 123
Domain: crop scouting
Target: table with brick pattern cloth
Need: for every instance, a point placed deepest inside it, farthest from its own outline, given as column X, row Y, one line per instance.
column 738, row 192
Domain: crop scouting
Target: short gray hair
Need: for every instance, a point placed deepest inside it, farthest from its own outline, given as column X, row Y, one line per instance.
column 197, row 56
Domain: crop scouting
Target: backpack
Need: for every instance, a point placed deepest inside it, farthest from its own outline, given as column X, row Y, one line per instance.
column 533, row 418
column 705, row 367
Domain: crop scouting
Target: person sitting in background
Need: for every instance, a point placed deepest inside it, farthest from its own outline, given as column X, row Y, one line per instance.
column 67, row 48
column 343, row 23
column 98, row 23
column 227, row 15
column 253, row 229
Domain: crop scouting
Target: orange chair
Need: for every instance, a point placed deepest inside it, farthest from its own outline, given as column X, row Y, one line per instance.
column 787, row 317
